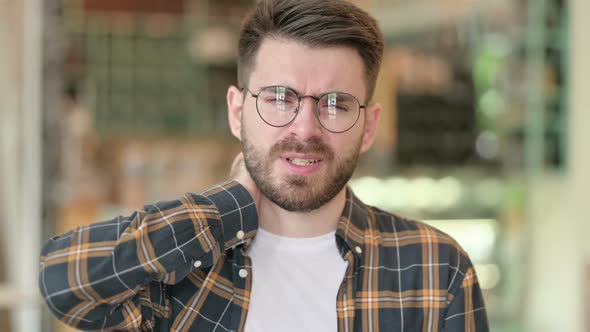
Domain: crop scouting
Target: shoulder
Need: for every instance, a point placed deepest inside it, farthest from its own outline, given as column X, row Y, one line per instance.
column 391, row 226
column 416, row 242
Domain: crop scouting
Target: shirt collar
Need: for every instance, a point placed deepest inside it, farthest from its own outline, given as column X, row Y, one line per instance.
column 351, row 229
column 353, row 226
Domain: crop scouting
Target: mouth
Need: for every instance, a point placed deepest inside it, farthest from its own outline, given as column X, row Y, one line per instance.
column 302, row 162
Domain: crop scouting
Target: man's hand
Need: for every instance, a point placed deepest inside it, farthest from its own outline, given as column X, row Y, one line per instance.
column 240, row 174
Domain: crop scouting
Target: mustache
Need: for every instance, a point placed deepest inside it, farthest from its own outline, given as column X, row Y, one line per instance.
column 313, row 145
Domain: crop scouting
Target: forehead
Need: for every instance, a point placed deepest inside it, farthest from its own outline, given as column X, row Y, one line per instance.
column 309, row 70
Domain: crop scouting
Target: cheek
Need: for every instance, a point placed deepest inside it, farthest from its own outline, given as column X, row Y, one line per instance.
column 344, row 143
column 259, row 134
column 251, row 125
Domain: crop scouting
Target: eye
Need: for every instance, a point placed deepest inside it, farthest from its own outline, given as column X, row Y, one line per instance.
column 324, row 106
column 278, row 96
column 279, row 99
column 335, row 103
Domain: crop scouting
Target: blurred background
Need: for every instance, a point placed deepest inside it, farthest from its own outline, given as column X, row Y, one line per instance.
column 109, row 104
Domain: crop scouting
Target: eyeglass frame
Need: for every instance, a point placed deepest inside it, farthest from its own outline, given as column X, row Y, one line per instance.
column 299, row 99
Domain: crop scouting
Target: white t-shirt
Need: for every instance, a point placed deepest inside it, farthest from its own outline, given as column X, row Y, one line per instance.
column 295, row 283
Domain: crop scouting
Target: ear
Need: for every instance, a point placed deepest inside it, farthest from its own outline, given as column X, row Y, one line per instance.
column 235, row 102
column 372, row 115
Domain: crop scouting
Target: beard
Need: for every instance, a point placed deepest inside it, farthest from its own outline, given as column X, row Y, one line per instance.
column 298, row 193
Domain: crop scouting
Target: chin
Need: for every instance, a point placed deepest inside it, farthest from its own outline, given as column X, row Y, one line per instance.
column 301, row 193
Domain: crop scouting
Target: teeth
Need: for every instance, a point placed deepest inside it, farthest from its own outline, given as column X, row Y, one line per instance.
column 301, row 162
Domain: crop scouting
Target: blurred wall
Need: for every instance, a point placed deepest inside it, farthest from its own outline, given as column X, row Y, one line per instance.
column 20, row 158
column 580, row 147
column 580, row 120
column 558, row 221
column 10, row 12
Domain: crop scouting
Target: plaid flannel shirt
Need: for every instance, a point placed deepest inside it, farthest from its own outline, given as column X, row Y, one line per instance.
column 181, row 266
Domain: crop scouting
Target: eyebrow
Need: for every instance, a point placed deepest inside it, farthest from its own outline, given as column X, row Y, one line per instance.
column 301, row 94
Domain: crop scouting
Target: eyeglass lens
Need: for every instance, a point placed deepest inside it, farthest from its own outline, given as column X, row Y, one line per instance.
column 337, row 111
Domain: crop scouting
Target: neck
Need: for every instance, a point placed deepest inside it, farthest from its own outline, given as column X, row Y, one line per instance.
column 281, row 222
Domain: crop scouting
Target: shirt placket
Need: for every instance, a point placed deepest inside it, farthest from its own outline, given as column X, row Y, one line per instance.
column 345, row 303
column 242, row 281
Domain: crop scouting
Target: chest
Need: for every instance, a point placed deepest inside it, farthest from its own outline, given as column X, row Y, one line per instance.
column 368, row 298
column 294, row 288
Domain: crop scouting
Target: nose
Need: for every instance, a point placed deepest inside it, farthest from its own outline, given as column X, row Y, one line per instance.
column 306, row 124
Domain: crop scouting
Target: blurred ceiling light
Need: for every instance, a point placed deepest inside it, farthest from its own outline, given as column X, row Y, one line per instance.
column 369, row 189
column 396, row 194
column 423, row 193
column 449, row 192
column 476, row 236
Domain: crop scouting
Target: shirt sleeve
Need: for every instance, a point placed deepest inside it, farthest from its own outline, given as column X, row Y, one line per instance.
column 92, row 277
column 466, row 311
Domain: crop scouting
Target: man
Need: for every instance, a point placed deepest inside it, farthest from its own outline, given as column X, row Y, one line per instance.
column 287, row 246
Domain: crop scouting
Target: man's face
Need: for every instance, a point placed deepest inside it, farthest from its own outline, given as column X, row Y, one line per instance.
column 302, row 166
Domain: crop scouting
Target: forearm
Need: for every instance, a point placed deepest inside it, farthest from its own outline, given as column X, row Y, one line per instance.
column 95, row 271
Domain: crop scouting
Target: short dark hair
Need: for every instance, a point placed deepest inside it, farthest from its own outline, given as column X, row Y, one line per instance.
column 315, row 23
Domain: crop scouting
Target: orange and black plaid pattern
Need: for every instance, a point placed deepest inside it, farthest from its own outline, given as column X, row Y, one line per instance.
column 181, row 266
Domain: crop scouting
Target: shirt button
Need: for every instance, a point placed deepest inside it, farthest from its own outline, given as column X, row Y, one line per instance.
column 243, row 273
column 240, row 235
column 198, row 264
column 358, row 250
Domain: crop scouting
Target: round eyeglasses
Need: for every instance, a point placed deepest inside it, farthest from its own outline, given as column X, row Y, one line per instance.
column 278, row 106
